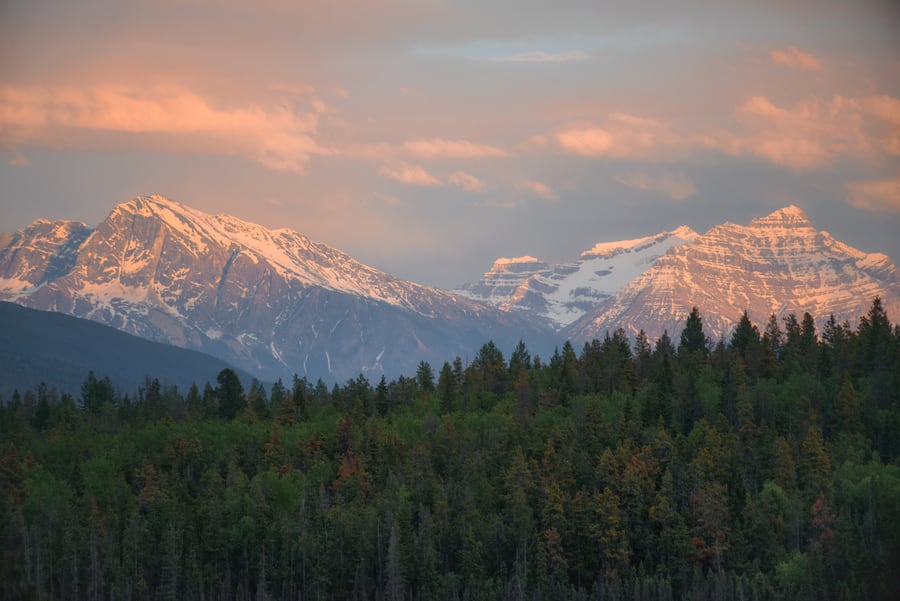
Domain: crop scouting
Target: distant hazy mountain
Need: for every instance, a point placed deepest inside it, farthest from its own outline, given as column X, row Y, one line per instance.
column 777, row 264
column 558, row 295
column 270, row 301
column 59, row 350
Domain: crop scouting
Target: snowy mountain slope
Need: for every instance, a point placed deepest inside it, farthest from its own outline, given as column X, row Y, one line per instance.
column 777, row 264
column 271, row 301
column 558, row 295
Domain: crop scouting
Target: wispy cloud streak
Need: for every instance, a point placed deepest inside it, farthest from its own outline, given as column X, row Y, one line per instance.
column 675, row 185
column 539, row 189
column 407, row 173
column 541, row 57
column 796, row 58
column 880, row 196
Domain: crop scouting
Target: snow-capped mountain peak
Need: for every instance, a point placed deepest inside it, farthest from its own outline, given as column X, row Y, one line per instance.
column 290, row 254
column 271, row 301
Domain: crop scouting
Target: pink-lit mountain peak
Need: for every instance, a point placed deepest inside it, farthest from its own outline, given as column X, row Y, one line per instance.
column 778, row 264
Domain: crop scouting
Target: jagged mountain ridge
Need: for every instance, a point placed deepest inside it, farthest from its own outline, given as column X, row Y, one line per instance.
column 777, row 264
column 270, row 301
column 557, row 295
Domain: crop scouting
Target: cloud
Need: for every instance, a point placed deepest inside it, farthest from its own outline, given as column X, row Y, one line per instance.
column 168, row 118
column 675, row 185
column 878, row 196
column 439, row 148
column 539, row 189
column 815, row 133
column 796, row 58
column 407, row 173
column 466, row 181
column 541, row 57
column 587, row 142
column 809, row 135
column 623, row 136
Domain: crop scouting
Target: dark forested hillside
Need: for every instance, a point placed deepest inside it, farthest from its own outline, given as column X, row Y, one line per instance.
column 766, row 466
column 59, row 351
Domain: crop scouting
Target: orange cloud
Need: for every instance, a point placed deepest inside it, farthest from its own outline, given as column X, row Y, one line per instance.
column 278, row 137
column 541, row 190
column 407, row 173
column 675, row 185
column 466, row 181
column 796, row 58
column 439, row 148
column 878, row 196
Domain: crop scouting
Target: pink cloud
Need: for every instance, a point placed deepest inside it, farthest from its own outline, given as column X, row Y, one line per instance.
column 439, row 148
column 587, row 142
column 407, row 173
column 278, row 137
column 624, row 136
column 815, row 133
column 794, row 57
column 466, row 181
column 879, row 196
column 808, row 135
column 539, row 189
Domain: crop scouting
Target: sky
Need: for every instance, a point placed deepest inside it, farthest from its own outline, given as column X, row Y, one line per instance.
column 428, row 137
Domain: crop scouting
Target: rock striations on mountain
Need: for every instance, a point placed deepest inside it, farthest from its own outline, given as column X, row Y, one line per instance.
column 273, row 302
column 777, row 264
column 558, row 295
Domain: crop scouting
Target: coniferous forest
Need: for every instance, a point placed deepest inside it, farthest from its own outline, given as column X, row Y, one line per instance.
column 765, row 466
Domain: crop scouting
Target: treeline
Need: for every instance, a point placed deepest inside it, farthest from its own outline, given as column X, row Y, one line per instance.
column 764, row 467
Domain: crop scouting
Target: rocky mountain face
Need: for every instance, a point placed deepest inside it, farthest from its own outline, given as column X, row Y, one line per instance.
column 270, row 301
column 558, row 295
column 777, row 264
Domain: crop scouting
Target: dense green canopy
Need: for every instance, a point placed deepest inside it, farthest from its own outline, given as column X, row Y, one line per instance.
column 764, row 467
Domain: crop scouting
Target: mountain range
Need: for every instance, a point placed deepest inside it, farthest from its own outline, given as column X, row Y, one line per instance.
column 275, row 303
column 777, row 264
column 272, row 302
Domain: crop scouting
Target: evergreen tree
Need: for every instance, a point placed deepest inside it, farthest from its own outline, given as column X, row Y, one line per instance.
column 229, row 394
column 425, row 377
column 283, row 404
column 693, row 340
column 446, row 389
column 520, row 359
